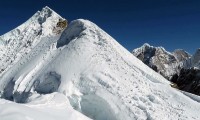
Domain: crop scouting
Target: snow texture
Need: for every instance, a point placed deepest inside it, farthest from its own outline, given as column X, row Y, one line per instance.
column 81, row 72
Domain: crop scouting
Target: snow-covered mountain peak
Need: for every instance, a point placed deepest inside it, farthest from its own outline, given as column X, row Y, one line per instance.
column 46, row 16
column 161, row 60
column 181, row 54
column 143, row 48
column 48, row 9
column 82, row 71
column 46, row 12
column 79, row 28
column 17, row 43
column 146, row 45
column 179, row 50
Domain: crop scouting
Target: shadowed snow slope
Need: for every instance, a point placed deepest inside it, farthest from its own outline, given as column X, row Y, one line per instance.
column 87, row 70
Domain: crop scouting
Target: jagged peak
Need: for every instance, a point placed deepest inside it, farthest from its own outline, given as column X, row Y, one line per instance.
column 141, row 49
column 197, row 53
column 179, row 50
column 44, row 13
column 48, row 8
column 46, row 18
column 146, row 45
column 182, row 51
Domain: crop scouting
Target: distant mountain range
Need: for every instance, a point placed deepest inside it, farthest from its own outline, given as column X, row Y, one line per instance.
column 52, row 70
column 178, row 67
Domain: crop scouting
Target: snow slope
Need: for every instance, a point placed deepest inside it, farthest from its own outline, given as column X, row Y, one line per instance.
column 50, row 107
column 87, row 70
column 17, row 43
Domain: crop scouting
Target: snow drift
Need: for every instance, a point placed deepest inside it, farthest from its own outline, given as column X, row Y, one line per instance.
column 84, row 72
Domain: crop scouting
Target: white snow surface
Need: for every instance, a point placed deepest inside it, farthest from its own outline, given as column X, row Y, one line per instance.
column 54, row 106
column 83, row 72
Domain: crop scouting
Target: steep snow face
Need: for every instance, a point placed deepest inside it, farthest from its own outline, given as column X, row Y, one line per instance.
column 19, row 42
column 162, row 61
column 87, row 70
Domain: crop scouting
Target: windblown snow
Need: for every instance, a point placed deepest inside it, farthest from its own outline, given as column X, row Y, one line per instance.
column 81, row 73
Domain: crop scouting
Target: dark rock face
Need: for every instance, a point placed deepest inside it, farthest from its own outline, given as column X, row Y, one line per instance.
column 178, row 66
column 146, row 54
column 181, row 55
column 160, row 60
column 195, row 60
column 154, row 67
column 188, row 80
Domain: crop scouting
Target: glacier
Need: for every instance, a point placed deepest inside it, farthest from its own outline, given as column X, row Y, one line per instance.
column 81, row 73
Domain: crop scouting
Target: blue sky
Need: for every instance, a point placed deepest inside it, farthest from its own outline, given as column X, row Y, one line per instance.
column 169, row 23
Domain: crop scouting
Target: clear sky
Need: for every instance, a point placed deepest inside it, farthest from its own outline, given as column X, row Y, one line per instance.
column 169, row 23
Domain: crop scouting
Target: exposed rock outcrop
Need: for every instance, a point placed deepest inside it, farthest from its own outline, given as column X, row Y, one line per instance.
column 188, row 80
column 160, row 60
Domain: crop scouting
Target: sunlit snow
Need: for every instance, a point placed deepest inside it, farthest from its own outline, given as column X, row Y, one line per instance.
column 80, row 74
